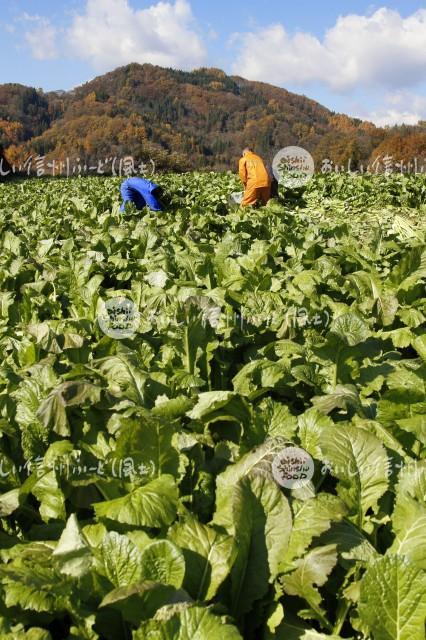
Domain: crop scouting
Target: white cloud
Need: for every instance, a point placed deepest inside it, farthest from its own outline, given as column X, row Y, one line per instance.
column 401, row 107
column 41, row 37
column 380, row 50
column 8, row 28
column 111, row 33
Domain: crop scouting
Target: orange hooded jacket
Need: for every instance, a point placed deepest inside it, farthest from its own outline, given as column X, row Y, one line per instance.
column 253, row 172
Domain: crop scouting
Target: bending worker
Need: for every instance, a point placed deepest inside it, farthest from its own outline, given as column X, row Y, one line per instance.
column 143, row 193
column 255, row 178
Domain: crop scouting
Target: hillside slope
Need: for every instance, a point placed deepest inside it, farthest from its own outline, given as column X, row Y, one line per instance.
column 180, row 119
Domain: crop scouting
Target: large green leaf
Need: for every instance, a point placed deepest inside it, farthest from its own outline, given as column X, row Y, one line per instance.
column 359, row 460
column 350, row 329
column 192, row 623
column 393, row 599
column 31, row 583
column 409, row 515
column 126, row 378
column 412, row 481
column 153, row 505
column 163, row 562
column 311, row 518
column 404, row 403
column 209, row 555
column 409, row 524
column 46, row 488
column 262, row 524
column 310, row 425
column 220, row 405
column 141, row 601
column 258, row 460
column 147, row 442
column 410, row 269
column 343, row 396
column 260, row 375
column 52, row 411
column 121, row 560
column 72, row 553
column 350, row 542
column 311, row 572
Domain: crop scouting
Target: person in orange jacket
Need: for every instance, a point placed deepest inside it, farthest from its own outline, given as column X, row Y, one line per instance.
column 255, row 178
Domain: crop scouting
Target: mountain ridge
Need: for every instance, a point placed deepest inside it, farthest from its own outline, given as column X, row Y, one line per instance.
column 186, row 120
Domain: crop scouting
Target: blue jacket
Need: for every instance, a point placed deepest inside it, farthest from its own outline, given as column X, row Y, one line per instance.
column 140, row 192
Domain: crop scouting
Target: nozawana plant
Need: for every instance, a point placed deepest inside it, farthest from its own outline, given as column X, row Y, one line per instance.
column 137, row 493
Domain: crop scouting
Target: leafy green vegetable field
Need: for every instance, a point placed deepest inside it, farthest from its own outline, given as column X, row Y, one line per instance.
column 137, row 494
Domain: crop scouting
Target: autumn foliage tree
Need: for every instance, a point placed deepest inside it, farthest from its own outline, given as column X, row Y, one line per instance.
column 408, row 150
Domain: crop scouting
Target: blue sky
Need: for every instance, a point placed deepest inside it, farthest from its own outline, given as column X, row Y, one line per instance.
column 361, row 58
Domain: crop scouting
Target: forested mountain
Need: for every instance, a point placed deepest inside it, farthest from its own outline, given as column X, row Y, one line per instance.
column 184, row 120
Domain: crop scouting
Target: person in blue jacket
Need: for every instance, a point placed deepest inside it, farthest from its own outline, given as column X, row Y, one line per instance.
column 143, row 193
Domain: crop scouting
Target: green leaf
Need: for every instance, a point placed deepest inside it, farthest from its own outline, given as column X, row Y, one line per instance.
column 125, row 377
column 384, row 434
column 52, row 414
column 342, row 396
column 410, row 268
column 163, row 562
column 412, row 481
column 419, row 344
column 141, row 601
column 9, row 502
column 416, row 424
column 121, row 560
column 10, row 631
column 262, row 523
column 209, row 555
column 153, row 505
column 261, row 375
column 360, row 462
column 311, row 518
column 194, row 339
column 47, row 490
column 289, row 630
column 258, row 460
column 393, row 599
column 310, row 426
column 409, row 524
column 72, row 554
column 404, row 403
column 52, row 410
column 192, row 623
column 401, row 338
column 275, row 419
column 220, row 405
column 35, row 586
column 351, row 543
column 312, row 571
column 173, row 408
column 409, row 514
column 350, row 329
column 147, row 441
column 411, row 317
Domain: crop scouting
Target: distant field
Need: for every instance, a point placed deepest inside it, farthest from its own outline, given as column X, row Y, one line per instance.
column 138, row 492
